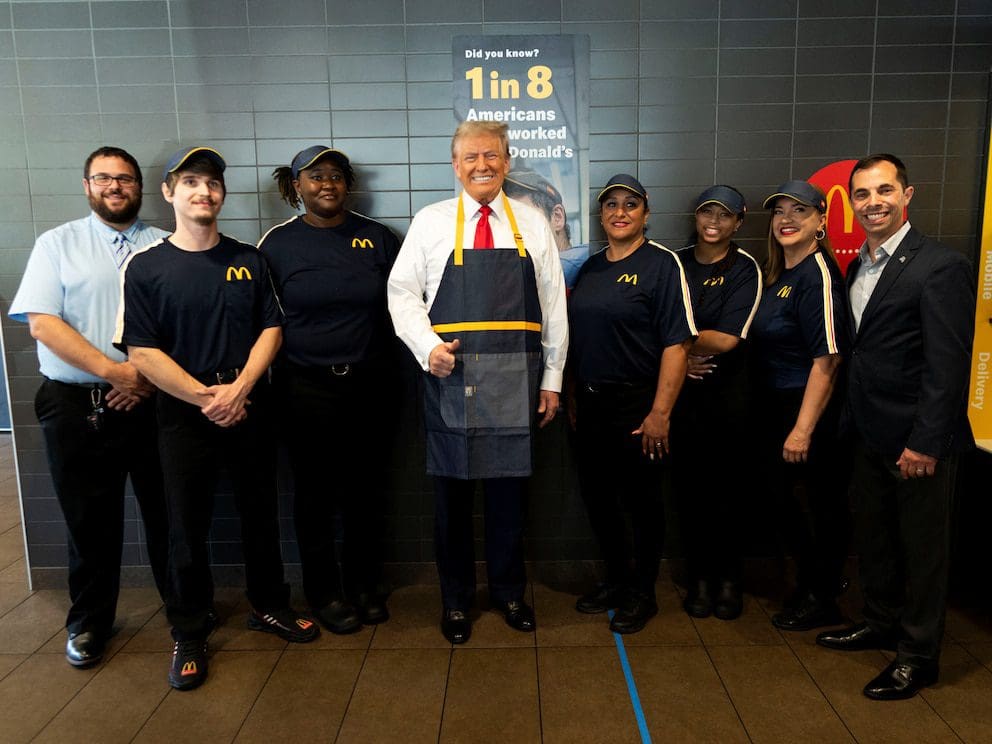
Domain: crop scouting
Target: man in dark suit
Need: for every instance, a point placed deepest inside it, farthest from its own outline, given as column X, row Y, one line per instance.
column 912, row 303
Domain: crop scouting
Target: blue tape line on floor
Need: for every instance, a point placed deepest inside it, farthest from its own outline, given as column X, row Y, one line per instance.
column 635, row 699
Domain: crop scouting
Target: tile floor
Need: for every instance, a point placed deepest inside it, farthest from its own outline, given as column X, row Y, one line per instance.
column 706, row 681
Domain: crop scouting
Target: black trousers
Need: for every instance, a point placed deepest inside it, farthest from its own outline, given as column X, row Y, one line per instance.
column 904, row 543
column 90, row 469
column 710, row 453
column 614, row 476
column 454, row 539
column 816, row 536
column 333, row 425
column 194, row 452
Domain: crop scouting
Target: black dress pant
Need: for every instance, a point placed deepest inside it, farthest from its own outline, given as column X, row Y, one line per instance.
column 904, row 546
column 89, row 470
column 711, row 453
column 614, row 476
column 194, row 451
column 333, row 425
column 816, row 535
column 454, row 539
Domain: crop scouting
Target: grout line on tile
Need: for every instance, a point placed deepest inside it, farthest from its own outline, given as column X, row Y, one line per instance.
column 354, row 686
column 258, row 695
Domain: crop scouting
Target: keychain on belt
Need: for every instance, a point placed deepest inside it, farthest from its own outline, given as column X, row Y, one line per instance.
column 95, row 418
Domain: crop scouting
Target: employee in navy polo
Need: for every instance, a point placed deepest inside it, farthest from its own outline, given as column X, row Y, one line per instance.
column 201, row 320
column 477, row 295
column 95, row 409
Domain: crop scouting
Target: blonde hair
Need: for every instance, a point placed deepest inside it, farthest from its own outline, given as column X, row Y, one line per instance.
column 476, row 128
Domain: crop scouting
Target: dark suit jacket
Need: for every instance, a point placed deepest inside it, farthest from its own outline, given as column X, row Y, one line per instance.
column 910, row 364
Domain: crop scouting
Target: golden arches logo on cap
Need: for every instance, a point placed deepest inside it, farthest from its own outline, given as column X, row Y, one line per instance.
column 624, row 181
column 306, row 158
column 179, row 158
column 801, row 191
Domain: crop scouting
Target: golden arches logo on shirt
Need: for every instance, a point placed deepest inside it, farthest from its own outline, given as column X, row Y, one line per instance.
column 238, row 273
column 784, row 292
column 713, row 281
column 628, row 278
column 362, row 243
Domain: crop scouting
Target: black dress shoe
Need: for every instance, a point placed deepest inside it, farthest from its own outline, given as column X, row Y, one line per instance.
column 84, row 649
column 372, row 609
column 456, row 626
column 604, row 597
column 339, row 617
column 810, row 613
column 518, row 615
column 729, row 602
column 634, row 614
column 857, row 637
column 900, row 681
column 699, row 601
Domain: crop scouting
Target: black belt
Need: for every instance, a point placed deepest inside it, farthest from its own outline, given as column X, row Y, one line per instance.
column 223, row 377
column 102, row 386
column 331, row 371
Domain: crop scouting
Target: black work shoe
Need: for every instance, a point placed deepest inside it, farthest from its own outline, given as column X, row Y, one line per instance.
column 518, row 615
column 699, row 601
column 189, row 664
column 372, row 609
column 729, row 602
column 84, row 649
column 808, row 614
column 456, row 626
column 339, row 617
column 604, row 597
column 286, row 623
column 857, row 637
column 900, row 681
column 634, row 614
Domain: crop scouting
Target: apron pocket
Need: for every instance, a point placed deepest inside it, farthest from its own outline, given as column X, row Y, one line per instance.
column 499, row 390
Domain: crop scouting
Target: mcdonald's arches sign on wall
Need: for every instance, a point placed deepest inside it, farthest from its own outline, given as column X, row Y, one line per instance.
column 846, row 235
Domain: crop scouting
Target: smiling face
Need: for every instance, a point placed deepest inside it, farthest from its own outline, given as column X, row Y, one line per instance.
column 715, row 224
column 323, row 189
column 624, row 215
column 195, row 197
column 481, row 164
column 794, row 225
column 116, row 204
column 879, row 201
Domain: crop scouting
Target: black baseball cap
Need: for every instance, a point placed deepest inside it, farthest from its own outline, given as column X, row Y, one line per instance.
column 728, row 198
column 179, row 158
column 802, row 191
column 306, row 158
column 624, row 181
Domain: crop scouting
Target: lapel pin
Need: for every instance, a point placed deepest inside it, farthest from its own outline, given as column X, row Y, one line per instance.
column 902, row 259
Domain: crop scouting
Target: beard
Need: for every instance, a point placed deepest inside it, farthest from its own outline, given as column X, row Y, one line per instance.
column 122, row 215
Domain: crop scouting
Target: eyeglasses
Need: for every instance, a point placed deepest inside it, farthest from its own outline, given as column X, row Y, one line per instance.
column 105, row 179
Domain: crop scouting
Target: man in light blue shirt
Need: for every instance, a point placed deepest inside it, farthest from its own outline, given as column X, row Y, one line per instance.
column 93, row 405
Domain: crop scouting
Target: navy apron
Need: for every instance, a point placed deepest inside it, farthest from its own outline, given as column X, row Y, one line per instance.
column 478, row 419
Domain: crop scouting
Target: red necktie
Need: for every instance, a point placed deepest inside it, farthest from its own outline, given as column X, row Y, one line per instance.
column 483, row 232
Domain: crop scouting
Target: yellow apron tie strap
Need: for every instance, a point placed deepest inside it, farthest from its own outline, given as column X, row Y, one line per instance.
column 517, row 237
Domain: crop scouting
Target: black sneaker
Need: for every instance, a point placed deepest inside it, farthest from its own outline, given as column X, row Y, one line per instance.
column 189, row 664
column 286, row 623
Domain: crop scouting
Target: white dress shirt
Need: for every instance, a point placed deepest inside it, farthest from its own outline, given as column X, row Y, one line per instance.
column 415, row 277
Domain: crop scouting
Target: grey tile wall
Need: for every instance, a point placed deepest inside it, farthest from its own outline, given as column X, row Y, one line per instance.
column 684, row 93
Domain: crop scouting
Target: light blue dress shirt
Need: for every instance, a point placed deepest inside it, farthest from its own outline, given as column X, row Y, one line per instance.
column 72, row 274
column 870, row 272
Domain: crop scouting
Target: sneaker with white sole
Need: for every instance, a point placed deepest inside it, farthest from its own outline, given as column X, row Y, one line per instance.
column 286, row 623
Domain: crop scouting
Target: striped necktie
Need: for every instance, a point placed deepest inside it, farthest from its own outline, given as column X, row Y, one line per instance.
column 122, row 249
